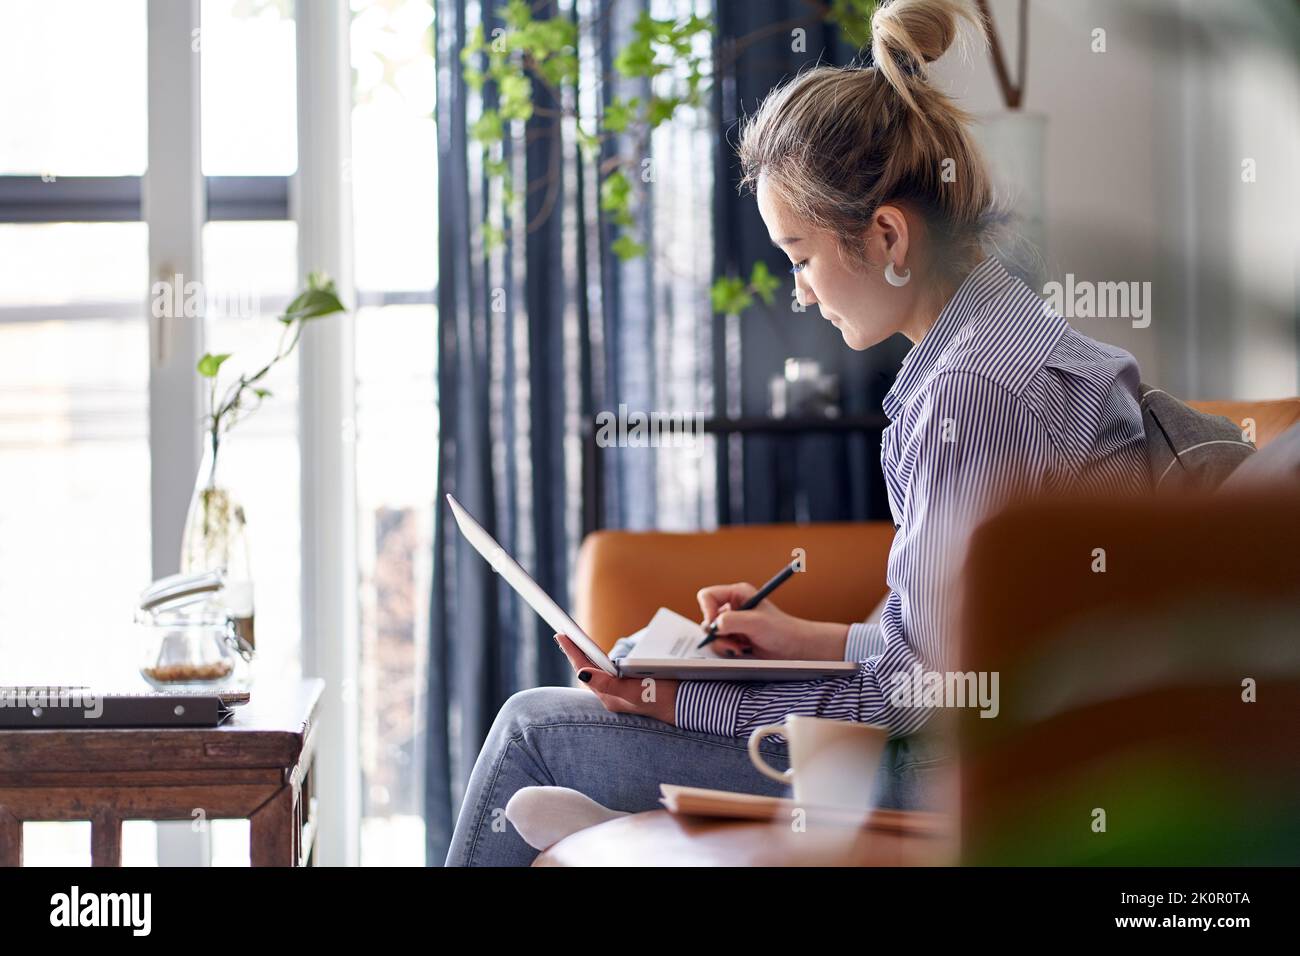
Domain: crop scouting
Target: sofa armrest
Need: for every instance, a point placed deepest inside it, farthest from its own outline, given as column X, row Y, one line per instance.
column 1271, row 418
column 623, row 577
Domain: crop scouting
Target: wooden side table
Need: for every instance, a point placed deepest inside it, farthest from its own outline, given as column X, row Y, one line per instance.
column 660, row 838
column 258, row 766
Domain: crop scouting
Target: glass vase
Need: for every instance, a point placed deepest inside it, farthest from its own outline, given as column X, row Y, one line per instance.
column 216, row 539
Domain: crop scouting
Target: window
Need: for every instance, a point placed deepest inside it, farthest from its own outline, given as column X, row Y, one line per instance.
column 74, row 356
column 249, row 90
column 75, row 364
column 394, row 192
column 74, row 446
column 56, row 121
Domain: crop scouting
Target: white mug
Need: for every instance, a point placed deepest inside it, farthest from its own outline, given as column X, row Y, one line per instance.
column 833, row 763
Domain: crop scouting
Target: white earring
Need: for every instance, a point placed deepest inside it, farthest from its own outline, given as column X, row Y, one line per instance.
column 893, row 278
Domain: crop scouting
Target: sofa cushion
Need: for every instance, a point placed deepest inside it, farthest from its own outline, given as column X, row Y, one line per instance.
column 1188, row 449
column 1278, row 462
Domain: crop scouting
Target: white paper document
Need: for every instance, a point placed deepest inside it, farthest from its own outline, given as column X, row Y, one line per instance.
column 670, row 635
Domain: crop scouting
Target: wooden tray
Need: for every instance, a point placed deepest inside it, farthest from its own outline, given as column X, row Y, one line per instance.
column 697, row 801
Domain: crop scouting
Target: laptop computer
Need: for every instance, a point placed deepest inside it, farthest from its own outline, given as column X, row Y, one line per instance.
column 71, row 706
column 666, row 647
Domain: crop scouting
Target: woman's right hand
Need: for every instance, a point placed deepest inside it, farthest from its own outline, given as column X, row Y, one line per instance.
column 766, row 631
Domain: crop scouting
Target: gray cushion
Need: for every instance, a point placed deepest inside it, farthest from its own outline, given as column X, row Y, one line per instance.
column 1278, row 462
column 1187, row 449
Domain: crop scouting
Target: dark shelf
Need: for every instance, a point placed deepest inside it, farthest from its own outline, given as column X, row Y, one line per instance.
column 592, row 471
column 845, row 423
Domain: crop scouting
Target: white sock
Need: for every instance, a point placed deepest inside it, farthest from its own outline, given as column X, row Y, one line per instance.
column 546, row 815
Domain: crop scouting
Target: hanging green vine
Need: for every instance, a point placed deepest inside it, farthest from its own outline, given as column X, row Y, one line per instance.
column 521, row 50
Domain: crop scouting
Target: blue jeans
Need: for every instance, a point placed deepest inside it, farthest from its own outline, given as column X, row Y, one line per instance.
column 564, row 737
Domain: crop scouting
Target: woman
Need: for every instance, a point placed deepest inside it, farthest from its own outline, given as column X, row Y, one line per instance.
column 869, row 181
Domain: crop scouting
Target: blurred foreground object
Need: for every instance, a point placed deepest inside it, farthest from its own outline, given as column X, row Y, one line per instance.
column 1149, row 668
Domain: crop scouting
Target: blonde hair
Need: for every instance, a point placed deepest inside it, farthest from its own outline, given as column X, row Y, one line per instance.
column 837, row 143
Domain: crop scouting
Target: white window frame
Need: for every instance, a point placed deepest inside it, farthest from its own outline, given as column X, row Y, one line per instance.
column 321, row 201
column 172, row 205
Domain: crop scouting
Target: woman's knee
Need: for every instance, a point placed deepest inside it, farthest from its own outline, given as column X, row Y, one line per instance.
column 540, row 705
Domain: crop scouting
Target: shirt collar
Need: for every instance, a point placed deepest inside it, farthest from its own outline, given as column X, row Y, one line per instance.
column 983, row 282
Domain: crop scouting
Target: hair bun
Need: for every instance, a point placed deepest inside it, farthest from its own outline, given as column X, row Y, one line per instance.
column 908, row 34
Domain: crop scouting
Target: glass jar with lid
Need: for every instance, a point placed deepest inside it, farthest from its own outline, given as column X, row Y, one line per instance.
column 189, row 640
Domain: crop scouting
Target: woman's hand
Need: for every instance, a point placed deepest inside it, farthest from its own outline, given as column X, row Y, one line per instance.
column 766, row 631
column 623, row 695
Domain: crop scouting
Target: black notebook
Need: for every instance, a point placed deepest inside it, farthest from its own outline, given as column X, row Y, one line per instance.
column 38, row 707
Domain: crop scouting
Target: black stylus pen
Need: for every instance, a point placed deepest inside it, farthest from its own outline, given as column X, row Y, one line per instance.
column 781, row 577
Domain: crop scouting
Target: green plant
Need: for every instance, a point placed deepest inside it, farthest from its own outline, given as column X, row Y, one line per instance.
column 672, row 55
column 244, row 397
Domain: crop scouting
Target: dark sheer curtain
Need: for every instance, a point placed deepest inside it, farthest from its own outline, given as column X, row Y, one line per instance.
column 552, row 327
column 532, row 339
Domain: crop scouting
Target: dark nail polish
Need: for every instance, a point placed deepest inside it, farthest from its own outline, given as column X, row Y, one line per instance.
column 584, row 676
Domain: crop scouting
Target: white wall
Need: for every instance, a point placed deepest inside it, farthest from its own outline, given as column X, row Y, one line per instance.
column 1143, row 175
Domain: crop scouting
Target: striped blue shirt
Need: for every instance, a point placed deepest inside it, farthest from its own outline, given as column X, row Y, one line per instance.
column 1001, row 398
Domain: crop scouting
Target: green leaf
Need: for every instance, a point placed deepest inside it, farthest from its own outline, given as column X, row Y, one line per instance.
column 625, row 247
column 619, row 113
column 262, row 393
column 517, row 14
column 763, row 282
column 648, row 28
column 561, row 69
column 488, row 128
column 729, row 297
column 698, row 24
column 853, row 17
column 661, row 109
column 516, row 93
column 615, row 192
column 210, row 364
column 542, row 39
column 316, row 300
column 637, row 59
